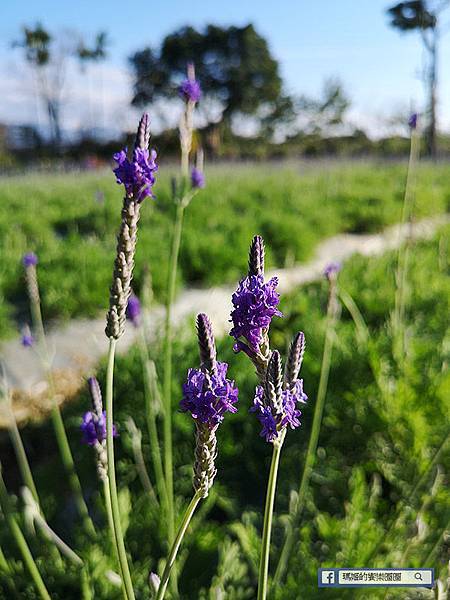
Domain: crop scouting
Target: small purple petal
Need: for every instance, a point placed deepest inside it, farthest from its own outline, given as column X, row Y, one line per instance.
column 197, row 178
column 332, row 269
column 190, row 90
column 412, row 121
column 134, row 310
column 27, row 340
column 29, row 260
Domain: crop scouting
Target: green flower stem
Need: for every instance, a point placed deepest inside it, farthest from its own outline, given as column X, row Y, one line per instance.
column 332, row 315
column 4, row 563
column 19, row 450
column 86, row 592
column 268, row 514
column 404, row 249
column 151, row 395
column 57, row 421
column 167, row 382
column 21, row 542
column 112, row 530
column 69, row 465
column 114, row 513
column 176, row 544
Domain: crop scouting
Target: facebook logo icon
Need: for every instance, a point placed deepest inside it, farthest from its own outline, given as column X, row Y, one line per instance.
column 326, row 578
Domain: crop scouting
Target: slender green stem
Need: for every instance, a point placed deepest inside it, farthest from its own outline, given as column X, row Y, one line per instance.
column 21, row 542
column 176, row 544
column 136, row 444
column 404, row 249
column 112, row 486
column 69, row 465
column 332, row 312
column 19, row 450
column 4, row 563
column 112, row 530
column 57, row 421
column 86, row 592
column 167, row 383
column 151, row 395
column 268, row 514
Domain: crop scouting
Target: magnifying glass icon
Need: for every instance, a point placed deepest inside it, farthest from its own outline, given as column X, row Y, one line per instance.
column 418, row 576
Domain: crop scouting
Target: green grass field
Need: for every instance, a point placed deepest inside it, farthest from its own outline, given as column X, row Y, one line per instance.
column 293, row 207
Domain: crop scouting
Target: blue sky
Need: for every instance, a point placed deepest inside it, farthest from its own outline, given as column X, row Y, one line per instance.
column 312, row 40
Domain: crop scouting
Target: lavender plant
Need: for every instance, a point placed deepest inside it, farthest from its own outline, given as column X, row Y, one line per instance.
column 183, row 192
column 137, row 175
column 207, row 396
column 276, row 400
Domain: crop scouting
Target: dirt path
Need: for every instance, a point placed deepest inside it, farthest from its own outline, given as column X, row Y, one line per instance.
column 77, row 346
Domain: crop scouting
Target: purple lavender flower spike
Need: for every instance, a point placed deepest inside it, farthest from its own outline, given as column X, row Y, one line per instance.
column 209, row 397
column 197, row 178
column 412, row 121
column 29, row 260
column 134, row 310
column 27, row 340
column 275, row 408
column 93, row 425
column 255, row 304
column 137, row 175
column 332, row 269
column 190, row 89
column 93, row 428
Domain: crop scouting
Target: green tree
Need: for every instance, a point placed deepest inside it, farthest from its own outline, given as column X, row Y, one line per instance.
column 423, row 16
column 323, row 113
column 49, row 61
column 37, row 45
column 238, row 73
column 96, row 52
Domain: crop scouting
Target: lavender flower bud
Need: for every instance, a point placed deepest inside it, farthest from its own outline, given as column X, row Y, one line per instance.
column 154, row 582
column 93, row 427
column 29, row 260
column 143, row 133
column 27, row 338
column 206, row 343
column 331, row 270
column 295, row 359
column 190, row 89
column 96, row 395
column 412, row 121
column 256, row 257
column 134, row 310
column 273, row 384
column 197, row 179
